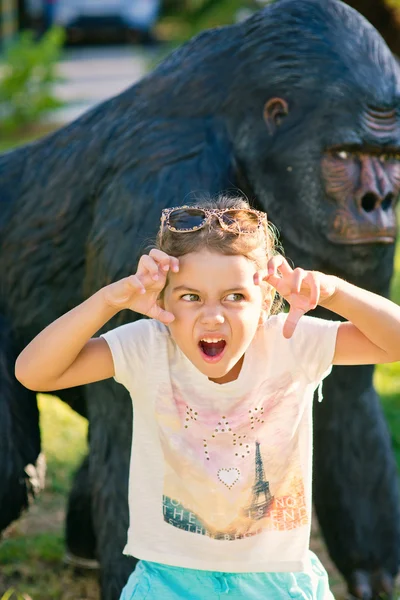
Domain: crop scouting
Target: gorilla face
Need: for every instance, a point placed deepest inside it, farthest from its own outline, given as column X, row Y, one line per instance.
column 363, row 181
column 330, row 177
column 317, row 134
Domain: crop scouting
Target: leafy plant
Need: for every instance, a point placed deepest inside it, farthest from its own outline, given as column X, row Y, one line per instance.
column 28, row 77
column 12, row 594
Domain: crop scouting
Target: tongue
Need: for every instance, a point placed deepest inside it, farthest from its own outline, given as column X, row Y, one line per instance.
column 212, row 348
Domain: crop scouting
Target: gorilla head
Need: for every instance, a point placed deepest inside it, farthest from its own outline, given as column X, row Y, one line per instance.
column 325, row 160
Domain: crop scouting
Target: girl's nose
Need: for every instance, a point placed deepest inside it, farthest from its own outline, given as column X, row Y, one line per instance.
column 212, row 316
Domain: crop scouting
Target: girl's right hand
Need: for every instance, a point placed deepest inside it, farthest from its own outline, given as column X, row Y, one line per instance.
column 140, row 292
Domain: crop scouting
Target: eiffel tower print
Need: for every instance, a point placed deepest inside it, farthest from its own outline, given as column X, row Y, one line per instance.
column 262, row 498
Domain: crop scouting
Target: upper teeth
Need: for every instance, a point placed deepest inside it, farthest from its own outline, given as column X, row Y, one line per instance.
column 211, row 340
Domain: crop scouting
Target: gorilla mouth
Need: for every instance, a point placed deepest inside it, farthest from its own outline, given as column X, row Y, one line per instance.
column 347, row 228
column 358, row 237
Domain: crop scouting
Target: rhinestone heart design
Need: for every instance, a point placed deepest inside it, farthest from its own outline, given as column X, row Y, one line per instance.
column 229, row 476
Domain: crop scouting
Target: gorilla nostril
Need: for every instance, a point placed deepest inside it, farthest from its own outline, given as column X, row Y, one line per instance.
column 369, row 202
column 388, row 201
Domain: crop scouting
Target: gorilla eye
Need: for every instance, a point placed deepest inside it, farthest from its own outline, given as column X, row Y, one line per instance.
column 384, row 158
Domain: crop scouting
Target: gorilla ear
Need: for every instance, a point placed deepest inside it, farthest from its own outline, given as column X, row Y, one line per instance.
column 275, row 110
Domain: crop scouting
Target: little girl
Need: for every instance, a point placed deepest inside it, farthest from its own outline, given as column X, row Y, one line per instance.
column 220, row 476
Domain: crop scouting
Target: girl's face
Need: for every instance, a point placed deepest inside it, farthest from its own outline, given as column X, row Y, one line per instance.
column 217, row 310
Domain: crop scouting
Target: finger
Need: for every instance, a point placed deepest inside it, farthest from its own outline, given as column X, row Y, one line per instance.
column 160, row 314
column 314, row 284
column 297, row 279
column 174, row 264
column 134, row 282
column 161, row 258
column 276, row 265
column 276, row 282
column 263, row 276
column 165, row 260
column 273, row 264
column 148, row 265
column 279, row 263
column 292, row 319
column 260, row 276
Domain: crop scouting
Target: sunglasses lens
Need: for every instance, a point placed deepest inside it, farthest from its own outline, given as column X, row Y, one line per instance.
column 187, row 218
column 240, row 220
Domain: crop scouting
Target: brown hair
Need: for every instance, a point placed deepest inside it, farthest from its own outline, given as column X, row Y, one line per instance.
column 258, row 247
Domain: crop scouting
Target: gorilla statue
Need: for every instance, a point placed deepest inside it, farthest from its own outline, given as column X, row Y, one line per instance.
column 298, row 107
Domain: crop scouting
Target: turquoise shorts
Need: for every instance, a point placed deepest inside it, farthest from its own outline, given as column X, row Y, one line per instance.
column 154, row 581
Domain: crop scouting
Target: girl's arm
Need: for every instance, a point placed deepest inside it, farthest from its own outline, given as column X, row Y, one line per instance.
column 372, row 333
column 65, row 355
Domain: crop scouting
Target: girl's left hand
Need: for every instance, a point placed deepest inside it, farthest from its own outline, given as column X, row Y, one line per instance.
column 303, row 290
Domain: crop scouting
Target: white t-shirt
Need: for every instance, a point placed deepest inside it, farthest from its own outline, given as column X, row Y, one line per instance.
column 220, row 475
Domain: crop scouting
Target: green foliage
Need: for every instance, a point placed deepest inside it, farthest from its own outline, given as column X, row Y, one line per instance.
column 13, row 139
column 393, row 3
column 28, row 77
column 12, row 594
column 183, row 19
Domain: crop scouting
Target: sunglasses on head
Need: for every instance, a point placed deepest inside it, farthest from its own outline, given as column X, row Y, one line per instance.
column 184, row 219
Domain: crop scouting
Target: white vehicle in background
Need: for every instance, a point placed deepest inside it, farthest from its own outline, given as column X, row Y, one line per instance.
column 91, row 17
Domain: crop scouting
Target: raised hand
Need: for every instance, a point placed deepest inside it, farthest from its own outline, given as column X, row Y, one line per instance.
column 303, row 290
column 140, row 292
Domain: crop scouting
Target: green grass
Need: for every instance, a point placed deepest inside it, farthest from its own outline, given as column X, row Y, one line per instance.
column 31, row 555
column 387, row 377
column 46, row 547
column 64, row 441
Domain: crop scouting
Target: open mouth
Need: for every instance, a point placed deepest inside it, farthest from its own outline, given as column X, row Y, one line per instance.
column 212, row 350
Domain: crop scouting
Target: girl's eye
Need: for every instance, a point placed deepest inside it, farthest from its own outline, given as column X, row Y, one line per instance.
column 235, row 297
column 190, row 297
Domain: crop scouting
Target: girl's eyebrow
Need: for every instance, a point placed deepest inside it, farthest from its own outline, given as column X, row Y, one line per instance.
column 180, row 288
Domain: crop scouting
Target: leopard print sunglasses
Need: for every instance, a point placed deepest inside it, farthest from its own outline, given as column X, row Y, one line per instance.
column 184, row 219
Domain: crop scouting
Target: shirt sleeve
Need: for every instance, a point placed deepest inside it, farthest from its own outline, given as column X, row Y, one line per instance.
column 130, row 346
column 313, row 345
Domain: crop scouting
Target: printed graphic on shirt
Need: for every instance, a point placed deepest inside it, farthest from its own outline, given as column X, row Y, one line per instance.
column 236, row 474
